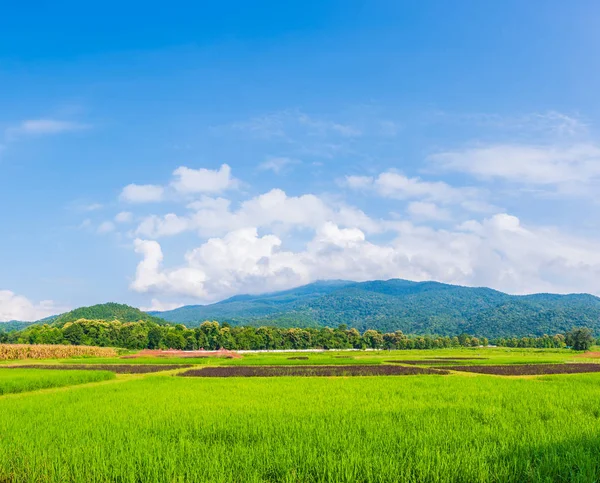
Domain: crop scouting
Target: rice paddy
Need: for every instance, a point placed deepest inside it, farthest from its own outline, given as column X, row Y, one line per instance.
column 20, row 380
column 118, row 368
column 433, row 424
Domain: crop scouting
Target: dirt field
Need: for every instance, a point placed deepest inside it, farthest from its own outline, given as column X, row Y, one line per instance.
column 275, row 371
column 528, row 369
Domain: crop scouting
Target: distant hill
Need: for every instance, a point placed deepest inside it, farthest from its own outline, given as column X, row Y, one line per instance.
column 14, row 325
column 109, row 311
column 413, row 307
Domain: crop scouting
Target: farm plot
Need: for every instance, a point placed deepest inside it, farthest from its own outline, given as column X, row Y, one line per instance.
column 118, row 368
column 370, row 430
column 528, row 369
column 279, row 371
column 20, row 380
column 428, row 362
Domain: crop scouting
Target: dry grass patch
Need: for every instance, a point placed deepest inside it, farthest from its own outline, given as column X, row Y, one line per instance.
column 10, row 352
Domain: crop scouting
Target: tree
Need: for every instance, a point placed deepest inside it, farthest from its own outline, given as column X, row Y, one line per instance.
column 373, row 339
column 579, row 338
column 74, row 333
column 154, row 337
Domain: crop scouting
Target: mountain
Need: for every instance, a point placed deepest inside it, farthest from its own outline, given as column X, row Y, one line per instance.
column 14, row 325
column 110, row 311
column 413, row 307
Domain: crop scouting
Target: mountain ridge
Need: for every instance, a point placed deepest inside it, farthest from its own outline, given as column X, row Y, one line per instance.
column 427, row 307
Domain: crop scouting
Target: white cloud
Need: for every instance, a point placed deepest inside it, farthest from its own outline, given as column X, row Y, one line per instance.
column 44, row 126
column 106, row 227
column 391, row 184
column 359, row 182
column 158, row 306
column 124, row 217
column 499, row 252
column 213, row 217
column 203, row 180
column 526, row 164
column 424, row 210
column 145, row 193
column 276, row 164
column 17, row 307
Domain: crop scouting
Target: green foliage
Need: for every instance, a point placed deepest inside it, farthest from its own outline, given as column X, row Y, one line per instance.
column 212, row 335
column 13, row 325
column 412, row 307
column 579, row 338
column 107, row 312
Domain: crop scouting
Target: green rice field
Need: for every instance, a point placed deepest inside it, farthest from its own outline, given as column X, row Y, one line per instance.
column 460, row 427
column 24, row 380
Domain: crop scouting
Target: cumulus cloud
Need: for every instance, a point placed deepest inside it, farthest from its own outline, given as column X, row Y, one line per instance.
column 17, row 307
column 214, row 216
column 499, row 252
column 188, row 180
column 142, row 193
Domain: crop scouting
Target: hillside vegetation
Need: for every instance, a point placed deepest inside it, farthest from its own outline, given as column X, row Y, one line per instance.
column 412, row 307
column 107, row 312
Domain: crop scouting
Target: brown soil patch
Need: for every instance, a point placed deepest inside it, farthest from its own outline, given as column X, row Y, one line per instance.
column 589, row 355
column 299, row 358
column 426, row 361
column 278, row 371
column 529, row 369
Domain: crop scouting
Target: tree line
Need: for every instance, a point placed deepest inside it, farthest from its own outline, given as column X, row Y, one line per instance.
column 213, row 336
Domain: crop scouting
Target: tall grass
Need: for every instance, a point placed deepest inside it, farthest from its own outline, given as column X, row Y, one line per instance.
column 10, row 352
column 23, row 380
column 460, row 428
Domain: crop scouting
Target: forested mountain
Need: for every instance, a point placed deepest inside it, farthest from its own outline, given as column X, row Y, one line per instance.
column 413, row 307
column 108, row 312
column 14, row 325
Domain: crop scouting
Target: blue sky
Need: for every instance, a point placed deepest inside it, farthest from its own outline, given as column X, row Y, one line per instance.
column 174, row 154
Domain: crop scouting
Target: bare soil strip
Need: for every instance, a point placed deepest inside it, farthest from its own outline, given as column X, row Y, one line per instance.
column 279, row 371
column 118, row 368
column 528, row 369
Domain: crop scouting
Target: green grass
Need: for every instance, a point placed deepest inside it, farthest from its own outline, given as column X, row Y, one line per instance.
column 23, row 380
column 459, row 428
column 156, row 427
